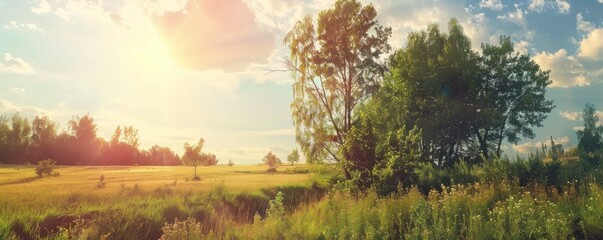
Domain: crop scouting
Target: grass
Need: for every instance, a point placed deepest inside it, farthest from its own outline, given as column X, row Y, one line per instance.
column 136, row 202
column 21, row 188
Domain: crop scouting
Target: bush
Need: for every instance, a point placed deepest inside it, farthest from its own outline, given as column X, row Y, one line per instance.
column 46, row 168
column 189, row 229
column 101, row 182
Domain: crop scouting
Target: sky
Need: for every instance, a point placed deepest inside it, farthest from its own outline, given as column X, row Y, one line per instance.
column 179, row 70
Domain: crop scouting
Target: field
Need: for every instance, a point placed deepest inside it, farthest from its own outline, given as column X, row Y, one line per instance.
column 30, row 202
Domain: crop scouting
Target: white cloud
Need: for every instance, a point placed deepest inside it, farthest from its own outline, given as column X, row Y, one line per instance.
column 591, row 46
column 15, row 65
column 566, row 71
column 563, row 6
column 516, row 17
column 276, row 132
column 17, row 90
column 536, row 5
column 522, row 47
column 491, row 4
column 14, row 25
column 582, row 25
column 9, row 108
column 41, row 6
column 578, row 128
column 528, row 147
column 574, row 116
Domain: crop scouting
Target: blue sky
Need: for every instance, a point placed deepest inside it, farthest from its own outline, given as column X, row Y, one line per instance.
column 183, row 69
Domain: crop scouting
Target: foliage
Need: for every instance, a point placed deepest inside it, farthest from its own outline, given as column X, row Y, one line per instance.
column 230, row 162
column 590, row 139
column 275, row 207
column 46, row 168
column 272, row 161
column 334, row 67
column 359, row 152
column 511, row 96
column 293, row 157
column 189, row 229
column 101, row 182
column 193, row 156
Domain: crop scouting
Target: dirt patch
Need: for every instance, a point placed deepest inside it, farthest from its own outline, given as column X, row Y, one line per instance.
column 51, row 225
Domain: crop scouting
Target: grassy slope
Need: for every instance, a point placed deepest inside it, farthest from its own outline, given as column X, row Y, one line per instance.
column 29, row 200
column 21, row 188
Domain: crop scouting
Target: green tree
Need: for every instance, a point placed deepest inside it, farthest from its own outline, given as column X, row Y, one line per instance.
column 17, row 137
column 335, row 66
column 192, row 155
column 590, row 140
column 293, row 157
column 44, row 133
column 272, row 161
column 511, row 96
column 428, row 87
column 84, row 131
column 359, row 151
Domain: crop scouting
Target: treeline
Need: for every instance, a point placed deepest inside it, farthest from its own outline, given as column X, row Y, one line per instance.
column 22, row 142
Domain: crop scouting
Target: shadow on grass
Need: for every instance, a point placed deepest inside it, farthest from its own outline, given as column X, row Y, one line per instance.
column 19, row 181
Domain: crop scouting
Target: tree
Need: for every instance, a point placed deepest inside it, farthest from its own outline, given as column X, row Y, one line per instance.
column 428, row 87
column 43, row 136
column 272, row 161
column 208, row 159
column 293, row 157
column 335, row 67
column 84, row 131
column 16, row 136
column 192, row 155
column 131, row 136
column 590, row 139
column 163, row 156
column 511, row 96
column 359, row 151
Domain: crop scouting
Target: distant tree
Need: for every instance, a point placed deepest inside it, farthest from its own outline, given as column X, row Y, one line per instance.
column 335, row 66
column 293, row 157
column 16, row 136
column 272, row 161
column 230, row 162
column 123, row 148
column 84, row 131
column 43, row 136
column 163, row 156
column 192, row 155
column 130, row 136
column 590, row 139
column 208, row 159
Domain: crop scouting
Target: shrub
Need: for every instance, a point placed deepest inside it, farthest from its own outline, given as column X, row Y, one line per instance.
column 46, row 168
column 276, row 208
column 189, row 229
column 101, row 182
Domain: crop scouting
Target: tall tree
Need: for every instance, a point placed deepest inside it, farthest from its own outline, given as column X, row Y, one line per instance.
column 18, row 139
column 192, row 155
column 44, row 133
column 84, row 131
column 335, row 66
column 428, row 87
column 590, row 139
column 511, row 96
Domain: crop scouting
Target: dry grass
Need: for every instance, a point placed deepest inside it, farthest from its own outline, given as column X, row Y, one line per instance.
column 21, row 188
